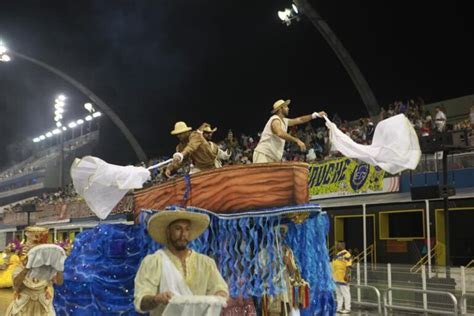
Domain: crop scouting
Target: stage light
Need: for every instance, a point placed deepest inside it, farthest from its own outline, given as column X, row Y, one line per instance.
column 79, row 122
column 88, row 118
column 89, row 107
column 287, row 15
column 49, row 134
column 72, row 125
column 96, row 114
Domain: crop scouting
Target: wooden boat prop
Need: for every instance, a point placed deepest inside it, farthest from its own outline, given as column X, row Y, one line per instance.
column 232, row 188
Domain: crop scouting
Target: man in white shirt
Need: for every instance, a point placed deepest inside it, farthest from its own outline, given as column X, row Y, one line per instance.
column 272, row 142
column 440, row 120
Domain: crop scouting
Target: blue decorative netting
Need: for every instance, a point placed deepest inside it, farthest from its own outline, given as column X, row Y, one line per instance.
column 99, row 274
column 101, row 268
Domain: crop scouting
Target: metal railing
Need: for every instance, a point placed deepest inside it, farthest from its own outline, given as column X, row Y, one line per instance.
column 369, row 251
column 469, row 264
column 388, row 306
column 462, row 302
column 434, row 251
column 377, row 293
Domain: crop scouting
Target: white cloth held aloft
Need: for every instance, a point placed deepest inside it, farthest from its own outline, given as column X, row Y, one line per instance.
column 395, row 145
column 103, row 185
column 45, row 261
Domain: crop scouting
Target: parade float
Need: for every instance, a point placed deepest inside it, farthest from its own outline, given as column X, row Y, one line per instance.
column 246, row 205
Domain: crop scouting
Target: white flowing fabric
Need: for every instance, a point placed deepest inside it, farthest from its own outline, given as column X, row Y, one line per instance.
column 395, row 146
column 45, row 261
column 184, row 303
column 103, row 185
column 171, row 280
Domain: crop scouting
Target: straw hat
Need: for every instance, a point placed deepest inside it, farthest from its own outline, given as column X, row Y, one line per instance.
column 180, row 127
column 158, row 223
column 278, row 104
column 206, row 127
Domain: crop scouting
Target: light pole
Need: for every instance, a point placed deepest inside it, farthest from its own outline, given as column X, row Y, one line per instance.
column 58, row 115
column 345, row 58
column 4, row 57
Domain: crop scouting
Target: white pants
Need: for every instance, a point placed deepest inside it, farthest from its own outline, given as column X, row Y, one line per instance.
column 343, row 296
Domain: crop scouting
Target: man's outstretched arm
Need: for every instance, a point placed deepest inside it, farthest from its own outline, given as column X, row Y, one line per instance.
column 305, row 118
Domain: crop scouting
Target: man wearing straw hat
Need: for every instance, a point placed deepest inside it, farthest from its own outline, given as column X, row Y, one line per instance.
column 272, row 142
column 176, row 269
column 192, row 146
column 207, row 132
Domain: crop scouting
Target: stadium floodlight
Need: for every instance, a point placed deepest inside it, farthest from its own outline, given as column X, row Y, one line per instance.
column 3, row 53
column 59, row 110
column 72, row 125
column 96, row 114
column 42, row 137
column 49, row 134
column 36, row 139
column 56, row 131
column 287, row 15
column 3, row 48
column 5, row 58
column 64, row 128
column 79, row 122
column 89, row 107
column 88, row 118
column 58, row 104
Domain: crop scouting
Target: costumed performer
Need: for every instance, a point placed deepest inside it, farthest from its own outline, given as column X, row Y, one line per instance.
column 33, row 296
column 8, row 263
column 272, row 142
column 208, row 132
column 192, row 147
column 176, row 270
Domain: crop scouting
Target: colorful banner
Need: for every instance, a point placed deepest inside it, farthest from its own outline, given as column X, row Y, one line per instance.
column 344, row 176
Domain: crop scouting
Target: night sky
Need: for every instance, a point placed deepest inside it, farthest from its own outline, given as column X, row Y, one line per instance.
column 224, row 62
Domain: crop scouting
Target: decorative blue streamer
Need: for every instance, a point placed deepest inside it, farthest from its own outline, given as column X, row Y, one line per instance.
column 187, row 191
column 99, row 273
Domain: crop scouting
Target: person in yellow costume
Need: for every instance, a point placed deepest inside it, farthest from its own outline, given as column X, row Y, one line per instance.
column 8, row 263
column 32, row 297
column 176, row 269
column 341, row 267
